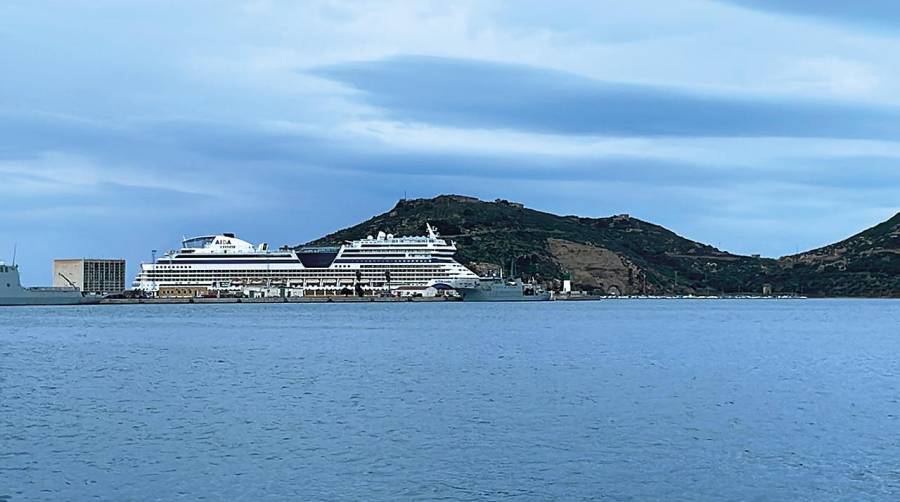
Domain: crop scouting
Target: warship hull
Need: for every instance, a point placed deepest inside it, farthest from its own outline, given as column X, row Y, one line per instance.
column 498, row 290
column 494, row 296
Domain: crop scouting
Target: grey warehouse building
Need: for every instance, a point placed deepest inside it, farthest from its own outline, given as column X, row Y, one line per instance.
column 90, row 275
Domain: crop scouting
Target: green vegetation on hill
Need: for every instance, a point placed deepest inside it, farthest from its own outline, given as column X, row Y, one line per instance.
column 866, row 264
column 626, row 255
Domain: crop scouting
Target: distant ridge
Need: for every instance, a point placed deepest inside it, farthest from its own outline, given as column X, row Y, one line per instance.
column 625, row 255
column 866, row 264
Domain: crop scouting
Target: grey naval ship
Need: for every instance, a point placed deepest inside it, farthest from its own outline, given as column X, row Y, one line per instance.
column 12, row 292
column 497, row 289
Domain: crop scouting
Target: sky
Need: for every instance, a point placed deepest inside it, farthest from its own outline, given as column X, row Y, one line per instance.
column 757, row 126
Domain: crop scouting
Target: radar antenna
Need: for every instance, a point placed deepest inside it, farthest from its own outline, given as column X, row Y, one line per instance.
column 15, row 248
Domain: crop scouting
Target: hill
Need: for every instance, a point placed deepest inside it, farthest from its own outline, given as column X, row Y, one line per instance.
column 866, row 264
column 616, row 254
column 626, row 255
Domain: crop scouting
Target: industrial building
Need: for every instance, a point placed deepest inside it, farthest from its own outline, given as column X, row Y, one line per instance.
column 90, row 275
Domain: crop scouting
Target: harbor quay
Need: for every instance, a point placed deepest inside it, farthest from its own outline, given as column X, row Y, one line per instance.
column 416, row 299
column 295, row 299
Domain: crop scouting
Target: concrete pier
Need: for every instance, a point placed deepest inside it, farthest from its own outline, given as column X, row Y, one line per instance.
column 298, row 299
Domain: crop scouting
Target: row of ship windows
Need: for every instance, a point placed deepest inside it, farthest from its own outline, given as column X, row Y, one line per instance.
column 291, row 283
column 367, row 261
column 383, row 244
column 278, row 278
column 297, row 282
column 394, row 262
column 364, row 268
column 398, row 256
column 395, row 255
column 403, row 264
column 399, row 246
column 238, row 276
column 396, row 250
column 302, row 271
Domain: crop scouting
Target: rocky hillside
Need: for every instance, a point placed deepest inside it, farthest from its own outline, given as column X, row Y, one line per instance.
column 867, row 264
column 618, row 254
column 626, row 255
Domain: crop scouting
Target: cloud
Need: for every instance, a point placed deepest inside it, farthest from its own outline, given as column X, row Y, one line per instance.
column 883, row 14
column 30, row 133
column 829, row 76
column 471, row 93
column 211, row 158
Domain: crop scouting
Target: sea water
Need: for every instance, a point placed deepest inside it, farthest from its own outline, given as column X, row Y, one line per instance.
column 622, row 399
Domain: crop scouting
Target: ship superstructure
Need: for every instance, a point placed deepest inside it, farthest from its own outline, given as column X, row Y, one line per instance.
column 376, row 263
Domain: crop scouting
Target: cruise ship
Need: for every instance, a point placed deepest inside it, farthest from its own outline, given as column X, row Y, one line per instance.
column 215, row 263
